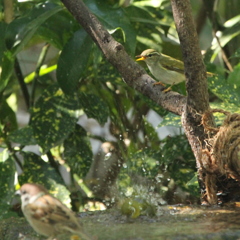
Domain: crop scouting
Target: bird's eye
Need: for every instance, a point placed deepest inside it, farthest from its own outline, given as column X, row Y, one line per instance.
column 150, row 55
column 24, row 192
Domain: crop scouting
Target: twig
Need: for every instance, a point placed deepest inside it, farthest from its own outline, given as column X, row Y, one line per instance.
column 54, row 164
column 211, row 9
column 12, row 151
column 22, row 84
column 224, row 56
column 40, row 61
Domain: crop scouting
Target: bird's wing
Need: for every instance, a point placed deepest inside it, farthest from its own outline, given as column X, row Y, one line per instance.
column 177, row 65
column 58, row 215
column 51, row 210
column 172, row 64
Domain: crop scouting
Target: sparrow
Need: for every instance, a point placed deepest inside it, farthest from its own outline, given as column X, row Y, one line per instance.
column 46, row 214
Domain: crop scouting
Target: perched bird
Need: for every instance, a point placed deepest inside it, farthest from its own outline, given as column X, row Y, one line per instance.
column 46, row 214
column 166, row 69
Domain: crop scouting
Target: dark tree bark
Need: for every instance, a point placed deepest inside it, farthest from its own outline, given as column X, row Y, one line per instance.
column 196, row 86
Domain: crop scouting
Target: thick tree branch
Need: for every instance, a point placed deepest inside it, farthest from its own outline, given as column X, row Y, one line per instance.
column 196, row 84
column 195, row 71
column 197, row 99
column 133, row 74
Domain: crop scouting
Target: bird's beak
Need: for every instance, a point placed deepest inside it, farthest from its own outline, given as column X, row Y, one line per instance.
column 140, row 58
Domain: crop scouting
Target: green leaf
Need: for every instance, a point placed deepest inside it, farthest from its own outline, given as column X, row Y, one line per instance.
column 194, row 181
column 60, row 192
column 94, row 107
column 3, row 27
column 7, row 177
column 225, row 106
column 58, row 29
column 23, row 136
column 7, row 116
column 234, row 76
column 120, row 30
column 21, row 30
column 149, row 3
column 154, row 106
column 5, row 211
column 219, row 117
column 142, row 15
column 7, row 69
column 97, row 60
column 113, row 18
column 236, row 54
column 78, row 152
column 145, row 162
column 73, row 61
column 171, row 120
column 36, row 170
column 53, row 117
column 226, row 36
column 224, row 90
column 231, row 22
column 151, row 133
column 43, row 71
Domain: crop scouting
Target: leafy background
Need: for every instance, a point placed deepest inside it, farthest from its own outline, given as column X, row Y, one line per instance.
column 70, row 79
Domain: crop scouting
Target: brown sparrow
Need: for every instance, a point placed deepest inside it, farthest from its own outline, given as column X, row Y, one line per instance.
column 46, row 214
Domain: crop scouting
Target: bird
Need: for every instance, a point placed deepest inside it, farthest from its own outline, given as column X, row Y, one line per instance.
column 164, row 68
column 46, row 214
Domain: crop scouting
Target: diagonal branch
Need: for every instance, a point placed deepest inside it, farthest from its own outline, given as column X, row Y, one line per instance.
column 133, row 74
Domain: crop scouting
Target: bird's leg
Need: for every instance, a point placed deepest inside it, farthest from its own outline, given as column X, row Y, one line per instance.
column 165, row 90
column 162, row 84
column 169, row 88
column 159, row 83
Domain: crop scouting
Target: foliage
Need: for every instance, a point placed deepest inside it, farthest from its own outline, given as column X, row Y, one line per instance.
column 85, row 84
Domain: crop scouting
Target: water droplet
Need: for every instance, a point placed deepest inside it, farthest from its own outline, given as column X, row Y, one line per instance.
column 107, row 156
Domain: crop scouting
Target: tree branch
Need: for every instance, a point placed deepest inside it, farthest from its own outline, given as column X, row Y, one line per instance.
column 40, row 62
column 22, row 84
column 196, row 86
column 133, row 74
column 195, row 71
